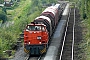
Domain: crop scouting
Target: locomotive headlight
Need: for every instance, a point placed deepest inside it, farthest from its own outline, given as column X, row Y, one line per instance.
column 39, row 42
column 29, row 42
column 39, row 38
column 27, row 30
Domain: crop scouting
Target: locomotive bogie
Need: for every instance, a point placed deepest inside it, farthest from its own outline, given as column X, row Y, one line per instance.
column 35, row 49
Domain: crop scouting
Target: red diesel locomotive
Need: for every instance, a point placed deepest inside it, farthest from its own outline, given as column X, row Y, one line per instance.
column 38, row 32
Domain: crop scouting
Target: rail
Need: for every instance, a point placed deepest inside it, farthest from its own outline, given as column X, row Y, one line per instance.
column 27, row 57
column 39, row 58
column 64, row 37
column 73, row 36
column 31, row 58
column 63, row 43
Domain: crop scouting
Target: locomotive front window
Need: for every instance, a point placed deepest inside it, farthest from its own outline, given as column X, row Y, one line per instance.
column 34, row 28
column 43, row 29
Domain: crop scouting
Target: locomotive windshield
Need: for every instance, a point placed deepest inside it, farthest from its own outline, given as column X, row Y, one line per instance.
column 35, row 28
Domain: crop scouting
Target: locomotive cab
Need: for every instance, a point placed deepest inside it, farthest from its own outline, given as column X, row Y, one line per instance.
column 35, row 38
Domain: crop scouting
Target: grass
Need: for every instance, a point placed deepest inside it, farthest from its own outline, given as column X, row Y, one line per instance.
column 85, row 45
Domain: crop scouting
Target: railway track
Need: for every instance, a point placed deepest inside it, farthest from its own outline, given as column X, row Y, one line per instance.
column 67, row 51
column 28, row 57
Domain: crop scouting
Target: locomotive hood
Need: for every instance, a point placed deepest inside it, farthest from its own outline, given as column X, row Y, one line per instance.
column 34, row 34
column 33, row 37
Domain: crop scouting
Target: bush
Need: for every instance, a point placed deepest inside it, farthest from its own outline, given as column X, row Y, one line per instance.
column 3, row 16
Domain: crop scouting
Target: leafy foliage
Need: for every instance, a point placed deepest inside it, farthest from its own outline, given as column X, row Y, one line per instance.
column 84, row 6
column 3, row 16
column 24, row 13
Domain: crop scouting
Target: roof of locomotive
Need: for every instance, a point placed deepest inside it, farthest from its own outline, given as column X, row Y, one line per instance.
column 36, row 24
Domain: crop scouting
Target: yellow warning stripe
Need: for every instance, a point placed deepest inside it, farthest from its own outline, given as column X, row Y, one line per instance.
column 26, row 51
column 43, row 51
